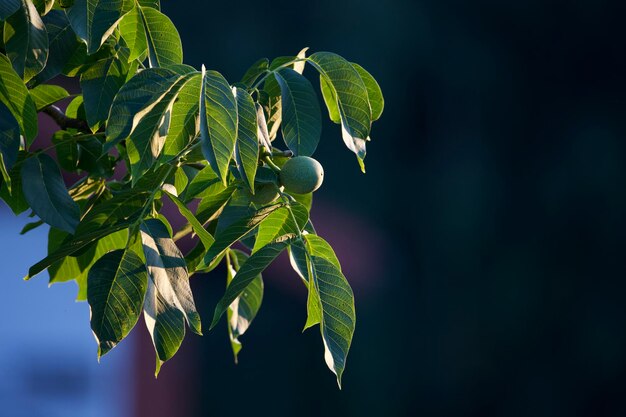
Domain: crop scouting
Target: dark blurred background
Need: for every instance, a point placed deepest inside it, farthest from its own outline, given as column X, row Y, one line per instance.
column 485, row 243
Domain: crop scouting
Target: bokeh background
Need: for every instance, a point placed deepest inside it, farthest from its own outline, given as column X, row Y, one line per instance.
column 485, row 244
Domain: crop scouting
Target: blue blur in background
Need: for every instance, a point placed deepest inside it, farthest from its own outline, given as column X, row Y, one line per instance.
column 485, row 244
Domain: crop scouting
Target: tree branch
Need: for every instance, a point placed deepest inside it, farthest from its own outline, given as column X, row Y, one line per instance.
column 65, row 122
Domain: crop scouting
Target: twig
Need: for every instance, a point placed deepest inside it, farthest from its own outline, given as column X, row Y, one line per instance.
column 65, row 122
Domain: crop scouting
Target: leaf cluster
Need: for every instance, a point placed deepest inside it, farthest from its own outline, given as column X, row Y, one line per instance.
column 146, row 128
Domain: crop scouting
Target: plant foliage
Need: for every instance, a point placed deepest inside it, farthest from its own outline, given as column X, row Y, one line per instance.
column 146, row 128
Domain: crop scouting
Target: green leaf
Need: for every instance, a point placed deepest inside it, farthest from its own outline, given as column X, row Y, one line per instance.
column 167, row 269
column 155, row 4
column 204, row 183
column 45, row 192
column 248, row 272
column 374, row 93
column 299, row 259
column 352, row 100
column 237, row 230
column 9, row 142
column 14, row 95
column 257, row 69
column 313, row 245
column 245, row 307
column 100, row 83
column 301, row 115
column 94, row 20
column 330, row 98
column 205, row 237
column 338, row 318
column 92, row 159
column 166, row 324
column 247, row 145
column 66, row 149
column 104, row 219
column 8, row 7
column 218, row 122
column 212, row 203
column 63, row 43
column 133, row 100
column 26, row 41
column 288, row 220
column 13, row 195
column 45, row 95
column 77, row 267
column 31, row 226
column 164, row 45
column 148, row 138
column 117, row 284
column 184, row 119
column 178, row 180
column 133, row 31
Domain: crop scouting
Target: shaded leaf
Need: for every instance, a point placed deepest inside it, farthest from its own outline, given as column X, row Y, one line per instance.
column 8, row 7
column 117, row 284
column 249, row 271
column 200, row 184
column 301, row 115
column 45, row 192
column 104, row 219
column 9, row 143
column 237, row 230
column 257, row 69
column 100, row 83
column 13, row 195
column 43, row 6
column 94, row 20
column 26, row 41
column 62, row 43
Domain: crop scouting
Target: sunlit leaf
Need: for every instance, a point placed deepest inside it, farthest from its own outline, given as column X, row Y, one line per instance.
column 15, row 96
column 247, row 145
column 45, row 95
column 218, row 122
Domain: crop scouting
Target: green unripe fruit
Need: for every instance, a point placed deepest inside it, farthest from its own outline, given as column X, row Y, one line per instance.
column 301, row 175
column 264, row 194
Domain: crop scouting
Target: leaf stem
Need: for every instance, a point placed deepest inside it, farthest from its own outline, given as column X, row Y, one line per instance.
column 270, row 72
column 271, row 164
